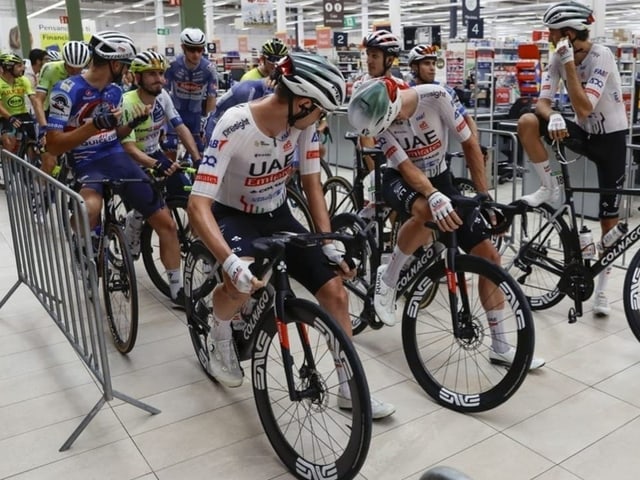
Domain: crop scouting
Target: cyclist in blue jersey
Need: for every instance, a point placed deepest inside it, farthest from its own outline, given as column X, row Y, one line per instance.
column 84, row 119
column 191, row 79
column 241, row 92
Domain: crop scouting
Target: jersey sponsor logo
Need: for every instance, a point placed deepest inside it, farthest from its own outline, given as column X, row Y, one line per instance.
column 239, row 125
column 315, row 136
column 272, row 178
column 215, row 143
column 210, row 160
column 15, row 102
column 59, row 103
column 424, row 151
column 207, row 178
column 190, row 87
column 66, row 85
column 461, row 126
column 313, row 154
column 420, row 117
column 599, row 71
column 423, row 125
column 434, row 94
column 390, row 152
column 597, row 82
column 288, row 145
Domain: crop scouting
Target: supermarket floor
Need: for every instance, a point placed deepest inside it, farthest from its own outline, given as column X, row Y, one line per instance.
column 576, row 418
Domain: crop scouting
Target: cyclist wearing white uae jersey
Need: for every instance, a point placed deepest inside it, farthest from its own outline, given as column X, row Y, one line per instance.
column 598, row 132
column 412, row 127
column 244, row 170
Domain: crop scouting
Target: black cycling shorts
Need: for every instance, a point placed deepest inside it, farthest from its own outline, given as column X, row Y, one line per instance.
column 309, row 266
column 608, row 151
column 400, row 197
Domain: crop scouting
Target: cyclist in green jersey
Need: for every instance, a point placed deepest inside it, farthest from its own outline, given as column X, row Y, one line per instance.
column 271, row 52
column 75, row 57
column 14, row 87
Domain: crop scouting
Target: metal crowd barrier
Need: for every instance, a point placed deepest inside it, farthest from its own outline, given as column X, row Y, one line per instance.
column 43, row 214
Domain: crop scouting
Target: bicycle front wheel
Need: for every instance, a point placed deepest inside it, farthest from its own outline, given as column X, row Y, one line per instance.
column 339, row 196
column 450, row 353
column 631, row 295
column 307, row 429
column 299, row 209
column 120, row 289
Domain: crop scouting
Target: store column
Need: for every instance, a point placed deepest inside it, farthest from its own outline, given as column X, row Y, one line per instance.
column 75, row 20
column 599, row 12
column 300, row 27
column 281, row 16
column 394, row 17
column 192, row 14
column 23, row 27
column 161, row 38
column 365, row 18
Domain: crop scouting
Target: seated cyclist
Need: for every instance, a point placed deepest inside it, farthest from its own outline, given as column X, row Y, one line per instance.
column 84, row 118
column 270, row 54
column 14, row 88
column 240, row 194
column 412, row 127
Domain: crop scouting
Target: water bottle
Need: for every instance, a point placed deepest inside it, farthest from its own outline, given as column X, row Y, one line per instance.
column 587, row 247
column 613, row 235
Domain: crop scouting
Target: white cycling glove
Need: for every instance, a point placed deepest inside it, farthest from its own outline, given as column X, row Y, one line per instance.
column 556, row 123
column 239, row 272
column 564, row 50
column 332, row 253
column 440, row 205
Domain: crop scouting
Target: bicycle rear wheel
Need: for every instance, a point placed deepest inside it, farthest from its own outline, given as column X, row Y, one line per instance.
column 538, row 263
column 201, row 275
column 120, row 289
column 150, row 244
column 299, row 209
column 631, row 295
column 311, row 434
column 339, row 196
column 456, row 369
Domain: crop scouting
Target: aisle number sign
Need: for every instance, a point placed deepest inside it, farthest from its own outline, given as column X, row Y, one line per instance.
column 475, row 28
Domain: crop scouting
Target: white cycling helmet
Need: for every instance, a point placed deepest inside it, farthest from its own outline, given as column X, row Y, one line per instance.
column 193, row 37
column 53, row 55
column 112, row 45
column 76, row 54
column 312, row 76
column 385, row 41
column 420, row 52
column 568, row 15
column 374, row 106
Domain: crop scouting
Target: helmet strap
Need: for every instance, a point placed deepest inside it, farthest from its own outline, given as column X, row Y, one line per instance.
column 293, row 118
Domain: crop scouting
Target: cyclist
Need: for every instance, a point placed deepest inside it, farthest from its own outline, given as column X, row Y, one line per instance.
column 53, row 55
column 75, row 57
column 142, row 143
column 84, row 115
column 14, row 87
column 591, row 77
column 191, row 79
column 244, row 170
column 412, row 127
column 37, row 59
column 271, row 53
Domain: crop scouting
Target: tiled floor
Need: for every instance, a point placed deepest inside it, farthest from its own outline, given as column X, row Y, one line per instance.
column 576, row 418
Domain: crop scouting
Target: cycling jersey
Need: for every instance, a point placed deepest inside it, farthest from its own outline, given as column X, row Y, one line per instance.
column 75, row 102
column 600, row 79
column 245, row 169
column 241, row 92
column 51, row 73
column 189, row 87
column 360, row 80
column 424, row 138
column 147, row 134
column 12, row 96
column 253, row 74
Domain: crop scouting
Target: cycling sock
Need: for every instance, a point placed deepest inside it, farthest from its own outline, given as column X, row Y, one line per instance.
column 603, row 279
column 221, row 329
column 544, row 172
column 499, row 342
column 398, row 259
column 175, row 282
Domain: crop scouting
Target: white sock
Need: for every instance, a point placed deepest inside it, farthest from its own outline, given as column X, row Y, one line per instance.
column 499, row 341
column 603, row 279
column 544, row 172
column 221, row 329
column 175, row 281
column 398, row 259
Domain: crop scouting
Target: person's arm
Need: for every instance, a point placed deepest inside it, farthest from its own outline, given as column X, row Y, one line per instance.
column 475, row 162
column 577, row 95
column 37, row 101
column 189, row 143
column 138, row 155
column 59, row 142
column 206, row 227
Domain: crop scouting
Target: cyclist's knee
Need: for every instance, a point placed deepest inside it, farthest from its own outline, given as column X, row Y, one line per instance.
column 528, row 126
column 162, row 222
column 420, row 210
column 334, row 292
column 486, row 250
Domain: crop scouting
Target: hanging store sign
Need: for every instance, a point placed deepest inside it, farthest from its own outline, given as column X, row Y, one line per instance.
column 256, row 13
column 470, row 10
column 333, row 13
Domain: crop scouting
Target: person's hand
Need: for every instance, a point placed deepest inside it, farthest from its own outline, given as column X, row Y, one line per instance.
column 107, row 121
column 335, row 256
column 557, row 127
column 15, row 122
column 443, row 213
column 139, row 114
column 241, row 276
column 564, row 49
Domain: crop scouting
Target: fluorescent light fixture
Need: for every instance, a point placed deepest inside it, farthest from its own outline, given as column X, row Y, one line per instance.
column 46, row 9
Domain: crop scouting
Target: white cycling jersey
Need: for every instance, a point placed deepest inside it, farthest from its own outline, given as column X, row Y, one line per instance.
column 424, row 137
column 600, row 79
column 245, row 169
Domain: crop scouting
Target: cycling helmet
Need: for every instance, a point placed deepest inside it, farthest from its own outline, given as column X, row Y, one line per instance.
column 112, row 45
column 374, row 106
column 274, row 49
column 76, row 54
column 10, row 59
column 384, row 40
column 148, row 61
column 568, row 15
column 312, row 76
column 193, row 37
column 420, row 52
column 53, row 55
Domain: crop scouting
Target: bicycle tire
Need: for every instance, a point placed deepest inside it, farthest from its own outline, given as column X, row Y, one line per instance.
column 465, row 186
column 150, row 244
column 339, row 196
column 631, row 295
column 119, row 283
column 457, row 372
column 360, row 288
column 299, row 209
column 201, row 275
column 538, row 265
column 311, row 435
